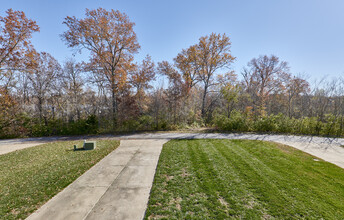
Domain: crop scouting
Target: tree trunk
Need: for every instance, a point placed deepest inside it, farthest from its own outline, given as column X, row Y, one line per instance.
column 114, row 112
column 228, row 111
column 40, row 109
column 203, row 100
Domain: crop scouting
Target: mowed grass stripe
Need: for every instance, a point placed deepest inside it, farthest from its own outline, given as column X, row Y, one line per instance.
column 291, row 184
column 268, row 189
column 239, row 198
column 30, row 177
column 249, row 205
column 230, row 155
column 266, row 179
column 307, row 178
column 209, row 182
column 220, row 179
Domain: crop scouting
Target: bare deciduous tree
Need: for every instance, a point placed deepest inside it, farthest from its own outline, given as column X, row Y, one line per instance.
column 263, row 76
column 43, row 79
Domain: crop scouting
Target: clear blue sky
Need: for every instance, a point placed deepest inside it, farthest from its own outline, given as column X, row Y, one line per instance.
column 308, row 34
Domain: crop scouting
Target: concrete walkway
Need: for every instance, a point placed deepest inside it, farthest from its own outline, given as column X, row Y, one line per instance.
column 117, row 187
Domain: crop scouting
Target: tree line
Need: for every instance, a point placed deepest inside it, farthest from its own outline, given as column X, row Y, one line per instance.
column 111, row 92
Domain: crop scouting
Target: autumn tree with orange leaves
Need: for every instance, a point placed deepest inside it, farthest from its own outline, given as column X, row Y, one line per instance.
column 188, row 62
column 176, row 87
column 201, row 62
column 15, row 33
column 111, row 41
column 140, row 78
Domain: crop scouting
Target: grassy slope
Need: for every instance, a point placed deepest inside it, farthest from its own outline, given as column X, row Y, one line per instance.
column 30, row 177
column 221, row 179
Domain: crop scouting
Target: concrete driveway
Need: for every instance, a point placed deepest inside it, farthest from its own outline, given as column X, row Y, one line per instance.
column 117, row 187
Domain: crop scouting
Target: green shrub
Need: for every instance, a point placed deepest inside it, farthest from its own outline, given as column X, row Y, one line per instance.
column 280, row 123
column 39, row 129
column 91, row 125
column 284, row 124
column 145, row 123
column 236, row 122
column 265, row 124
column 308, row 125
column 333, row 125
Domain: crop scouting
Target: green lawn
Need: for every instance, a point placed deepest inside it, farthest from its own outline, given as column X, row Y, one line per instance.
column 30, row 177
column 241, row 179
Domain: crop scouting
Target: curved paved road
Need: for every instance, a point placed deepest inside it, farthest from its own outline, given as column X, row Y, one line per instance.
column 328, row 149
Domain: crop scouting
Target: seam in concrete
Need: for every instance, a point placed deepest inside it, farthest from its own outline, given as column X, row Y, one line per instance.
column 110, row 185
column 128, row 195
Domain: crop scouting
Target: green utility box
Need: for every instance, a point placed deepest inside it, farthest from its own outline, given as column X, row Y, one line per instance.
column 89, row 145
